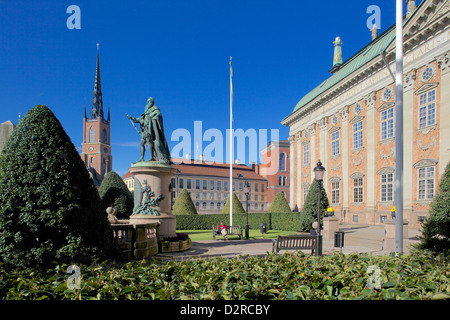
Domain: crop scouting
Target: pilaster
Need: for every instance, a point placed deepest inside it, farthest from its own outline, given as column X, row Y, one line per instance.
column 444, row 116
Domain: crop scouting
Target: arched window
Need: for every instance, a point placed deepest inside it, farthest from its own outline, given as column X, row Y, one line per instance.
column 92, row 134
column 282, row 161
column 105, row 136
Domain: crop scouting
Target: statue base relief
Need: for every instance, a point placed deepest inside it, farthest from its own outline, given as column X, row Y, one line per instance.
column 157, row 176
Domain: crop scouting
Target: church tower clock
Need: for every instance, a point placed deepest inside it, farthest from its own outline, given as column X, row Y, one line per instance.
column 96, row 146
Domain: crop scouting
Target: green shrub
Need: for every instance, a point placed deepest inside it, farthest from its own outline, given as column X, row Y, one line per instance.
column 436, row 228
column 309, row 211
column 184, row 204
column 237, row 205
column 285, row 221
column 49, row 207
column 279, row 204
column 114, row 193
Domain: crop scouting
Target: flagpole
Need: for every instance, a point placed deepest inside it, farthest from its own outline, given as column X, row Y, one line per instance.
column 399, row 130
column 231, row 144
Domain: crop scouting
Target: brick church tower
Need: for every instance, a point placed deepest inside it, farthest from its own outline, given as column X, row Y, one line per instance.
column 96, row 146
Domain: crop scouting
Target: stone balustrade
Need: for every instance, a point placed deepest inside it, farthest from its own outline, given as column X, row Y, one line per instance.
column 135, row 241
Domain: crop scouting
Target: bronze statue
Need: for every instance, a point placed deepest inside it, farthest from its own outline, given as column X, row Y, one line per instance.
column 143, row 202
column 152, row 133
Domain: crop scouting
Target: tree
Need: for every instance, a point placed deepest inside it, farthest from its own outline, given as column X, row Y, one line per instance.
column 436, row 228
column 279, row 204
column 237, row 205
column 184, row 204
column 114, row 193
column 49, row 207
column 309, row 211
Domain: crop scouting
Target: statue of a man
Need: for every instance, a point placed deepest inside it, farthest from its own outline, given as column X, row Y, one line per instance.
column 152, row 133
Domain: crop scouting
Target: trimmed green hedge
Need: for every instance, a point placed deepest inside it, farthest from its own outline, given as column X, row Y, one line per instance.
column 273, row 221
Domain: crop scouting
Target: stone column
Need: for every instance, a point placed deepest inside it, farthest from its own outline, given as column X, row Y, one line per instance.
column 323, row 125
column 371, row 166
column 345, row 164
column 293, row 176
column 298, row 166
column 408, row 137
column 312, row 148
column 444, row 116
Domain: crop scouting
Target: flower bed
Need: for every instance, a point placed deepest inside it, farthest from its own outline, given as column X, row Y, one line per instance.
column 175, row 244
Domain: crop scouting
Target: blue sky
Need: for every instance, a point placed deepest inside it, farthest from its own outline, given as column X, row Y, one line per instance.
column 176, row 51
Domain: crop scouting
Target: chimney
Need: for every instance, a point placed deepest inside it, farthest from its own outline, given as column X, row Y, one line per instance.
column 411, row 7
column 253, row 165
column 374, row 32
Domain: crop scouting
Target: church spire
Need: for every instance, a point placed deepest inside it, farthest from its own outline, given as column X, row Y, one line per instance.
column 97, row 102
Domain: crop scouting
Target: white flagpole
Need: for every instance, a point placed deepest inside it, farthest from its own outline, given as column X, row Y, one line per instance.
column 399, row 129
column 231, row 144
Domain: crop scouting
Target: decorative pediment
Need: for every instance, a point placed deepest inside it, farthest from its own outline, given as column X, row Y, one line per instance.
column 335, row 179
column 386, row 105
column 426, row 87
column 357, row 175
column 356, row 119
column 386, row 170
column 425, row 163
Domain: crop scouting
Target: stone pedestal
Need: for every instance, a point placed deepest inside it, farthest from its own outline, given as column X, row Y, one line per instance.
column 158, row 177
column 330, row 226
column 389, row 240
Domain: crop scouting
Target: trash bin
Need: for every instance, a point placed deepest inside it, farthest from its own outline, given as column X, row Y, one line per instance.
column 262, row 228
column 339, row 239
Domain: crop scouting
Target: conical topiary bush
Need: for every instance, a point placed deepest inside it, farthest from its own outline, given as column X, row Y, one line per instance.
column 279, row 204
column 49, row 207
column 184, row 204
column 114, row 193
column 237, row 205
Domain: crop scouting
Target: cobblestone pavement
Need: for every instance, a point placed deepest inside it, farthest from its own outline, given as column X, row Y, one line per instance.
column 357, row 238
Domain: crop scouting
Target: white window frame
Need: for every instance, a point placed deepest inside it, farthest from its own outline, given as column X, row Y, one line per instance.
column 358, row 190
column 387, row 124
column 426, row 106
column 335, row 143
column 306, row 154
column 426, row 182
column 358, row 135
column 387, row 187
column 335, row 192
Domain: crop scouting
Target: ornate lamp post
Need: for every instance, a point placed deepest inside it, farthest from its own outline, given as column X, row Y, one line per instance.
column 319, row 170
column 247, row 197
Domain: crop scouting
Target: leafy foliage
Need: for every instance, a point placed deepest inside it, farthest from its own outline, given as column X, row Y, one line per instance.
column 114, row 193
column 49, row 206
column 237, row 205
column 309, row 211
column 436, row 228
column 291, row 276
column 184, row 204
column 279, row 204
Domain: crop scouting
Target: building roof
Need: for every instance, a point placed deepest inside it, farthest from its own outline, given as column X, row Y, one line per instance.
column 362, row 57
column 218, row 170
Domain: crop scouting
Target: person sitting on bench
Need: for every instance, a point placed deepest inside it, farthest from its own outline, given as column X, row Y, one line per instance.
column 223, row 229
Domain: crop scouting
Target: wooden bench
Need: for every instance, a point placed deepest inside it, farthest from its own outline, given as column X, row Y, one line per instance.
column 232, row 231
column 294, row 242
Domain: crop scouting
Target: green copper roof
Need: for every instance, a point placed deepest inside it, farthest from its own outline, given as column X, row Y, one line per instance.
column 366, row 54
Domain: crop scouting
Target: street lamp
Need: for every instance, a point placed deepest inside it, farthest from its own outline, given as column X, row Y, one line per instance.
column 319, row 171
column 247, row 197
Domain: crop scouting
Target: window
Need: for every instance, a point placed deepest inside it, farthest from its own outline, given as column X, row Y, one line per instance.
column 204, row 205
column 262, row 187
column 335, row 196
column 181, row 184
column 426, row 183
column 282, row 162
column 387, row 124
column 189, row 183
column 211, row 185
column 306, row 154
column 174, row 185
column 427, row 109
column 358, row 190
column 256, row 187
column 387, row 187
column 105, row 136
column 197, row 184
column 197, row 195
column 205, row 184
column 335, row 143
column 204, row 195
column 355, row 218
column 358, row 135
column 211, row 196
column 241, row 186
column 92, row 134
column 211, row 205
column 218, row 205
column 225, row 186
column 218, row 186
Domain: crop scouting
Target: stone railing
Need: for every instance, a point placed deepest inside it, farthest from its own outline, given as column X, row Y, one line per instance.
column 135, row 241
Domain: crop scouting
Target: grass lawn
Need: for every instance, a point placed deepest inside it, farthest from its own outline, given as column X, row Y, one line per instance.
column 197, row 235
